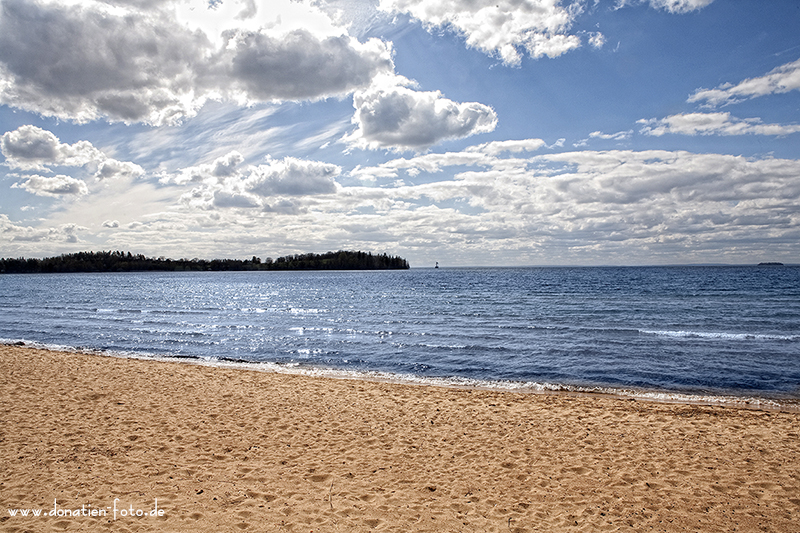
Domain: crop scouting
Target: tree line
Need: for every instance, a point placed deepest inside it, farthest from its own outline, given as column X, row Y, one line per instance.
column 117, row 261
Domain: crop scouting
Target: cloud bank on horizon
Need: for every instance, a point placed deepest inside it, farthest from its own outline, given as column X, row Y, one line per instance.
column 469, row 132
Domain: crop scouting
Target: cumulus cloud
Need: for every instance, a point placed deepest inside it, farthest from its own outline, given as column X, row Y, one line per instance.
column 502, row 27
column 226, row 165
column 225, row 183
column 677, row 178
column 597, row 39
column 296, row 66
column 292, row 177
column 29, row 144
column 523, row 206
column 29, row 147
column 628, row 202
column 32, row 148
column 713, row 124
column 11, row 233
column 222, row 167
column 782, row 79
column 509, row 28
column 228, row 198
column 88, row 61
column 396, row 117
column 81, row 62
column 54, row 186
column 111, row 168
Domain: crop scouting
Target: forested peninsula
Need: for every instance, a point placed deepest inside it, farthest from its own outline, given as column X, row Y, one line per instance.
column 118, row 261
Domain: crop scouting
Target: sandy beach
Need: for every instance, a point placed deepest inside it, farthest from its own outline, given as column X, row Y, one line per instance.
column 94, row 441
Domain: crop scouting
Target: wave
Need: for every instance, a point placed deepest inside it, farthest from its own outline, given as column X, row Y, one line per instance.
column 720, row 335
column 724, row 400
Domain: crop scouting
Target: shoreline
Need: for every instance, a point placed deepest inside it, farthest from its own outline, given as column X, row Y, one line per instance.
column 225, row 450
column 778, row 403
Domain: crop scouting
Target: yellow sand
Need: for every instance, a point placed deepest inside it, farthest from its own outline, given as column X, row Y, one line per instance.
column 234, row 450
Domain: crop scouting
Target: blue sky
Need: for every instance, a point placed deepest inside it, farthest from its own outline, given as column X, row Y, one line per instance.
column 468, row 132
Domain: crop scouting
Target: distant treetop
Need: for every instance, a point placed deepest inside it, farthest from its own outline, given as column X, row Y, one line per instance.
column 126, row 262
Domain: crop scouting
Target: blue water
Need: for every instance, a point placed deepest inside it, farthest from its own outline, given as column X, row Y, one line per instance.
column 684, row 330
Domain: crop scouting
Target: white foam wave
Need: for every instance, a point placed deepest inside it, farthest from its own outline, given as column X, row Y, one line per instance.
column 304, row 311
column 295, row 368
column 720, row 335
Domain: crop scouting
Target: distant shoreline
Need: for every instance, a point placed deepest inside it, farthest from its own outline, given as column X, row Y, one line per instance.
column 118, row 261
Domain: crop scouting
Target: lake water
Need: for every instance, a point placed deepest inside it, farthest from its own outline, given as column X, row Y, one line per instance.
column 663, row 332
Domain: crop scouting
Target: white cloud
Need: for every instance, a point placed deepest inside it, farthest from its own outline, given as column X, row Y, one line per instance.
column 81, row 62
column 539, row 45
column 782, row 79
column 278, row 17
column 29, row 147
column 513, row 146
column 501, row 27
column 12, row 235
column 226, row 165
column 111, row 168
column 573, row 207
column 624, row 206
column 619, row 136
column 672, row 6
column 284, row 206
column 224, row 184
column 222, row 167
column 225, row 198
column 53, row 186
column 506, row 28
column 597, row 39
column 680, row 6
column 392, row 116
column 669, row 178
column 292, row 177
column 258, row 67
column 89, row 61
column 429, row 163
column 713, row 124
column 32, row 148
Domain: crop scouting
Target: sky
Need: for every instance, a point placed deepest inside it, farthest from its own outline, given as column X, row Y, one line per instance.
column 464, row 132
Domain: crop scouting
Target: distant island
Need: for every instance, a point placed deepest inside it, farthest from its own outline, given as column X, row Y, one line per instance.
column 126, row 262
column 770, row 264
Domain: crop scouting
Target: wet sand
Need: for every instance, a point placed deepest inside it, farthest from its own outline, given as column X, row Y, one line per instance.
column 236, row 450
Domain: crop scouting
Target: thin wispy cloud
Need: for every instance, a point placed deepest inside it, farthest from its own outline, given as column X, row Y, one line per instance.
column 782, row 79
column 713, row 124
